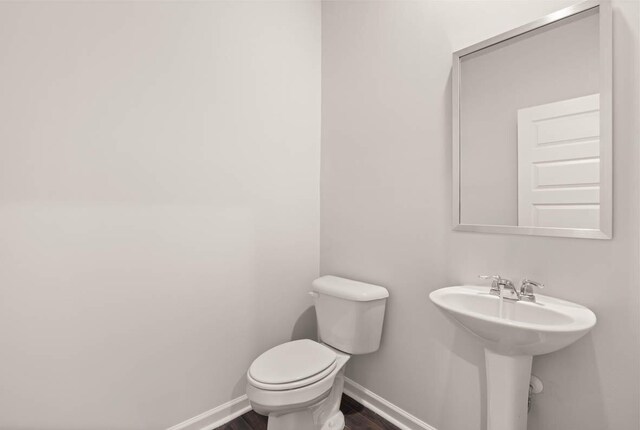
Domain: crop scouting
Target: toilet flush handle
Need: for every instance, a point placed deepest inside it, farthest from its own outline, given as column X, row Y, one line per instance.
column 313, row 294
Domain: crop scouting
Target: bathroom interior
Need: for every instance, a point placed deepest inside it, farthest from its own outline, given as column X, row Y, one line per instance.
column 320, row 215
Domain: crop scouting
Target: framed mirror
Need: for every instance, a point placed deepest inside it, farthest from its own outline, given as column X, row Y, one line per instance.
column 532, row 128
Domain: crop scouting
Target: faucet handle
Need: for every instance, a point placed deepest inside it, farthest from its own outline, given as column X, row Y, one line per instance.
column 528, row 283
column 496, row 279
column 492, row 277
column 526, row 289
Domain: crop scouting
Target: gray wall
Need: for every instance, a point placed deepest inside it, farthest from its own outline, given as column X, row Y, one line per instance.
column 557, row 62
column 149, row 225
column 385, row 211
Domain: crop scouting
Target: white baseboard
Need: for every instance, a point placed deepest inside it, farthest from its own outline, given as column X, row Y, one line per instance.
column 222, row 414
column 214, row 418
column 384, row 408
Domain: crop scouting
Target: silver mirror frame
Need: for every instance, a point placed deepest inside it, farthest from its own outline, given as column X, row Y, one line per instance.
column 606, row 127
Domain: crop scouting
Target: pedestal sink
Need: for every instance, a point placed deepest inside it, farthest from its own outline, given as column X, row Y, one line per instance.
column 512, row 333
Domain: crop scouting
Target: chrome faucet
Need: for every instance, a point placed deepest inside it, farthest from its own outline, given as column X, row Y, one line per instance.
column 503, row 287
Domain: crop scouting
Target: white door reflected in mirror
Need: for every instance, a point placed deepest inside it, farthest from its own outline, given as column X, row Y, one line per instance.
column 559, row 164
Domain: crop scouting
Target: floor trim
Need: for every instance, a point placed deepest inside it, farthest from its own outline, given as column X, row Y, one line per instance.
column 222, row 414
column 216, row 417
column 384, row 408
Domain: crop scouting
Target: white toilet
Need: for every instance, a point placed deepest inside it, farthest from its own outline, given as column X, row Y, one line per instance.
column 299, row 384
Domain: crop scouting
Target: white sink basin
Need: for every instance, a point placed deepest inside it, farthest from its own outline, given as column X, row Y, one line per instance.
column 523, row 328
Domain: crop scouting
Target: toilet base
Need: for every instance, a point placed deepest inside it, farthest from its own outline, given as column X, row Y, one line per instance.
column 335, row 423
column 304, row 420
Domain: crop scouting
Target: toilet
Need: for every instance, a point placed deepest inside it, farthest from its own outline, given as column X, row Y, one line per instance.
column 299, row 384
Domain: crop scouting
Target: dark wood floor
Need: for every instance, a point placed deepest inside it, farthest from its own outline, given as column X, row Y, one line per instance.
column 357, row 417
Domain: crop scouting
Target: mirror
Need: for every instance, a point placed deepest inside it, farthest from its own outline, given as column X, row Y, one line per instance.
column 532, row 128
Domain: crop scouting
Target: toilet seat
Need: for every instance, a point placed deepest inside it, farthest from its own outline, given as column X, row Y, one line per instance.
column 292, row 365
column 268, row 401
column 292, row 385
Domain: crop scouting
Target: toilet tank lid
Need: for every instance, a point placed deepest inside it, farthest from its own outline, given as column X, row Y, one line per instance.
column 349, row 290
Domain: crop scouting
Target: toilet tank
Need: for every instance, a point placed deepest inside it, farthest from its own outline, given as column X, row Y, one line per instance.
column 349, row 313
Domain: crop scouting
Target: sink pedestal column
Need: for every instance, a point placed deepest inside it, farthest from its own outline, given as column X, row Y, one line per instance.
column 507, row 390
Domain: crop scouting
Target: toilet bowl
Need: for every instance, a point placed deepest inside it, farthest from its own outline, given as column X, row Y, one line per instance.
column 299, row 384
column 302, row 391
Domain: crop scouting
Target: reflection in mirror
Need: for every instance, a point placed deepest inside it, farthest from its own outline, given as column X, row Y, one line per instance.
column 559, row 164
column 529, row 119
